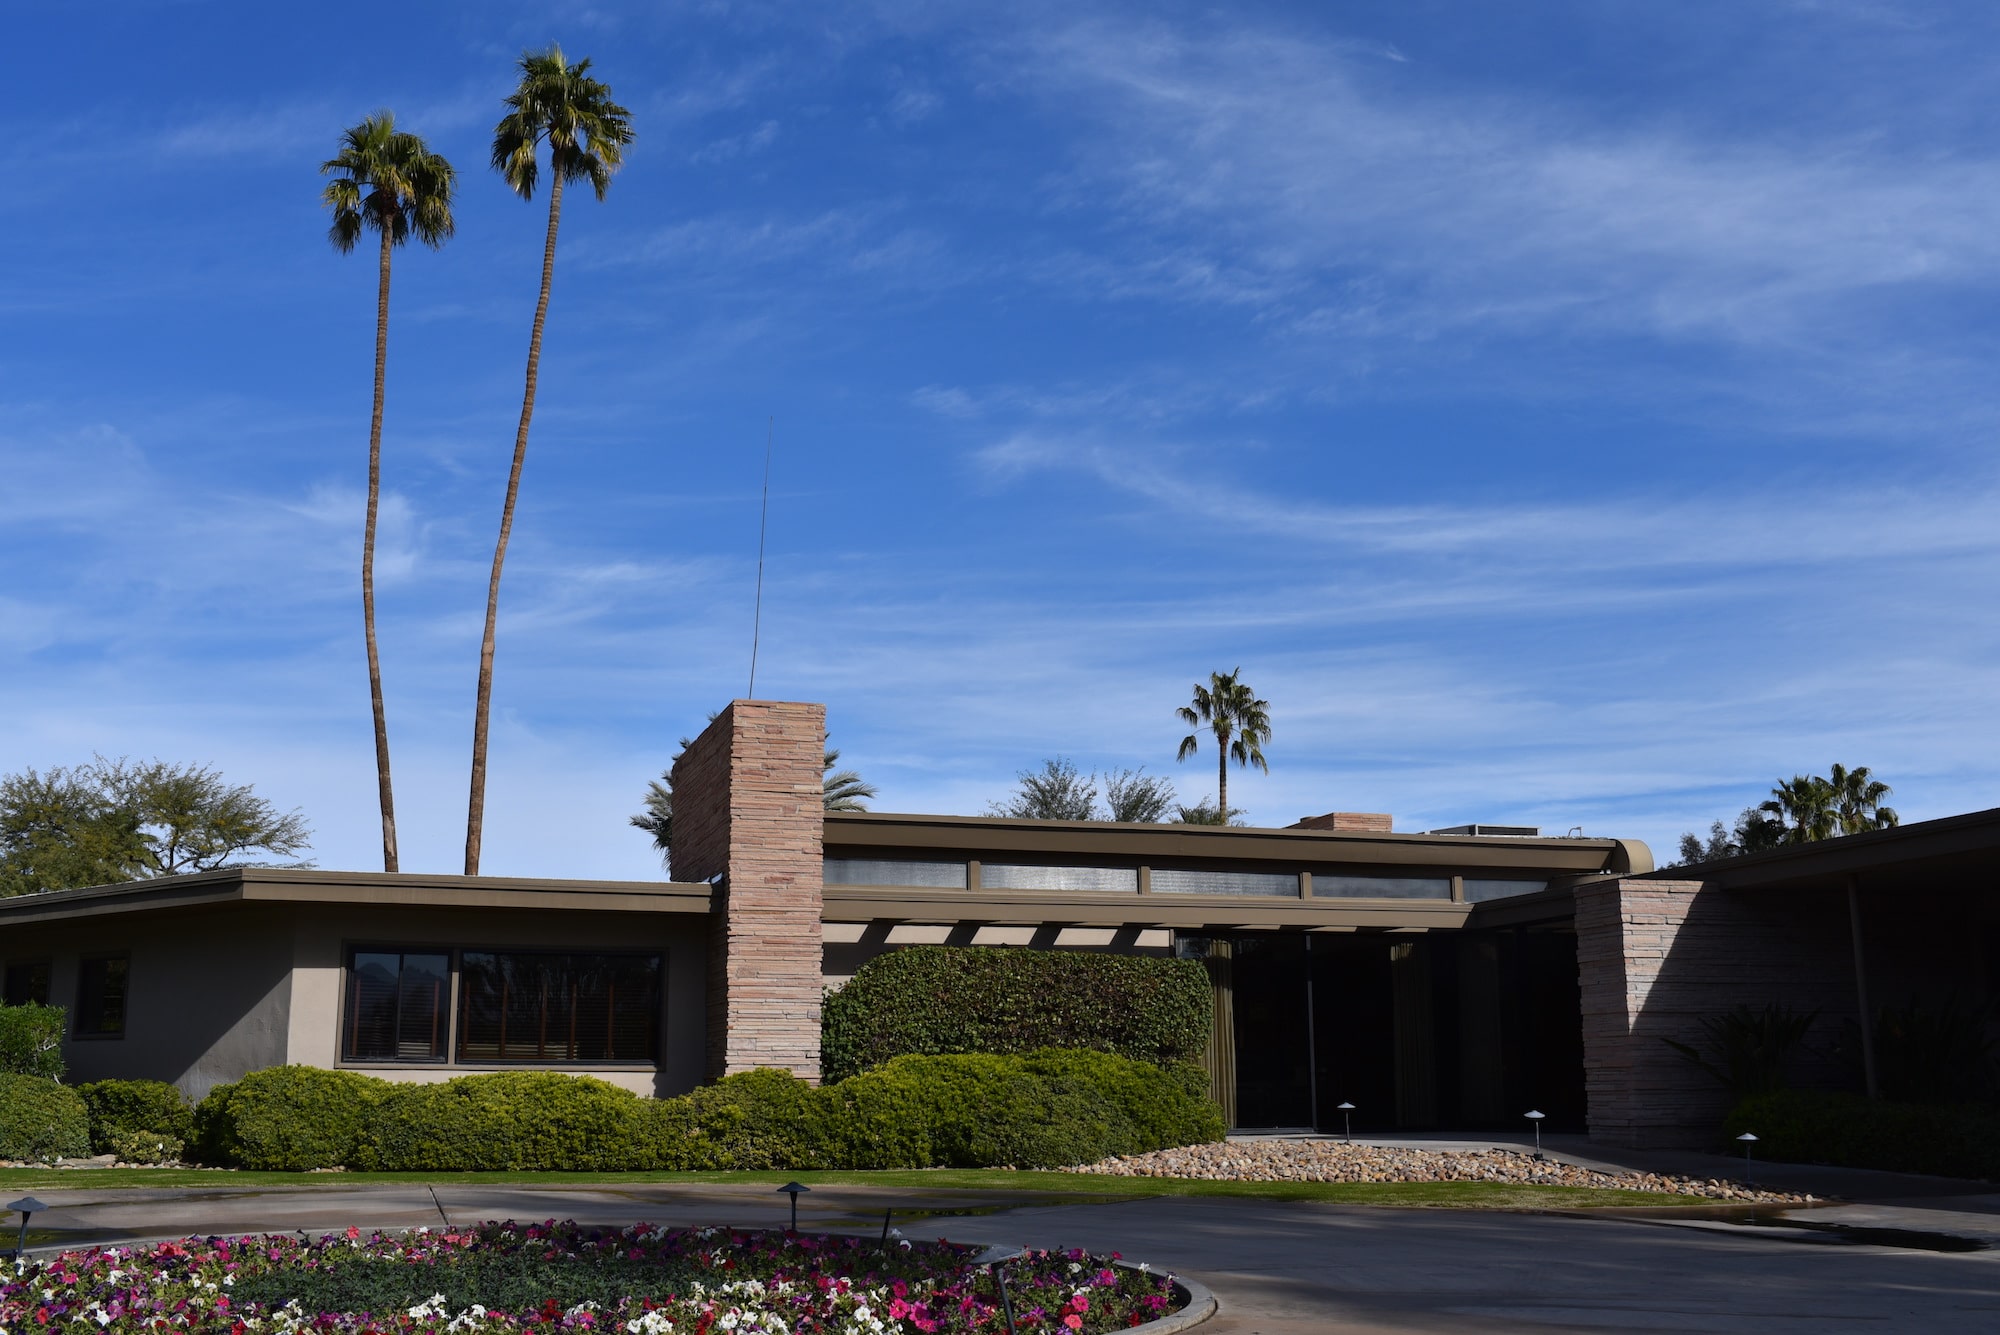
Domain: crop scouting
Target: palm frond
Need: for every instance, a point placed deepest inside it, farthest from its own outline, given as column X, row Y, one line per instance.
column 559, row 104
column 389, row 181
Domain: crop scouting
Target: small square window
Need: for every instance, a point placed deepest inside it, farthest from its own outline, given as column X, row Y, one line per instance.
column 101, row 985
column 27, row 983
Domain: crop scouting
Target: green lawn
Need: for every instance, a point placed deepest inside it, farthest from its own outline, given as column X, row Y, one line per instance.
column 987, row 1181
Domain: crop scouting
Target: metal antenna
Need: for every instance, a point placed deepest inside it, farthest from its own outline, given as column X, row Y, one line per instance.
column 763, row 516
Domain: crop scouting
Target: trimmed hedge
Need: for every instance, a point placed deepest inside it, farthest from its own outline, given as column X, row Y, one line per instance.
column 513, row 1121
column 41, row 1120
column 288, row 1118
column 946, row 999
column 1805, row 1126
column 1044, row 1110
column 31, row 1041
column 123, row 1108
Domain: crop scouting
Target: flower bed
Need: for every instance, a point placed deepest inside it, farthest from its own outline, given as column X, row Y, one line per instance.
column 559, row 1278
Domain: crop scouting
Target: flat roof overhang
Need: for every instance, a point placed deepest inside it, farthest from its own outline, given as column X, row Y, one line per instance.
column 1085, row 908
column 406, row 889
column 979, row 837
column 1961, row 849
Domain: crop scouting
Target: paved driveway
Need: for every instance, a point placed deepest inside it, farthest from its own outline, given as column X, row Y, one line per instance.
column 1279, row 1269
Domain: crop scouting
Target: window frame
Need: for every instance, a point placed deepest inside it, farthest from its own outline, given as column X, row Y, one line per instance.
column 348, row 999
column 463, row 999
column 453, row 1059
column 77, row 1032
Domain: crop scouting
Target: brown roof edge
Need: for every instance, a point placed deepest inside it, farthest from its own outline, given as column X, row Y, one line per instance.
column 1628, row 856
column 301, row 885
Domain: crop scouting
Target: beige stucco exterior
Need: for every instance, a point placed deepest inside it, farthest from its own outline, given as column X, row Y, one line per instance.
column 238, row 971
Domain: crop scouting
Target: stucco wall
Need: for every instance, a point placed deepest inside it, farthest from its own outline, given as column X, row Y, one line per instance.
column 322, row 934
column 219, row 991
column 209, row 992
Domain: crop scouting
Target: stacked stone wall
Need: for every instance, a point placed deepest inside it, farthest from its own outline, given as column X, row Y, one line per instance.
column 747, row 808
column 1656, row 957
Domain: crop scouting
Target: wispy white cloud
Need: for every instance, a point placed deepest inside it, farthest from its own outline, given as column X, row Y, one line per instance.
column 1352, row 198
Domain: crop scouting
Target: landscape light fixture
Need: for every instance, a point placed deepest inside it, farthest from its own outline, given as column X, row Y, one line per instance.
column 993, row 1258
column 793, row 1189
column 1747, row 1139
column 1535, row 1119
column 1347, row 1120
column 26, row 1208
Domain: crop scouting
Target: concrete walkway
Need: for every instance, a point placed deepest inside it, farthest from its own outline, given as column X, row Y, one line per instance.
column 1278, row 1268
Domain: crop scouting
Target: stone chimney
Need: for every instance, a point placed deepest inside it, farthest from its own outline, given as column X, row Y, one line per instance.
column 1348, row 822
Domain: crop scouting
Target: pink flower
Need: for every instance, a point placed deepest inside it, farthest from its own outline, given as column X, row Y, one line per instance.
column 1073, row 1321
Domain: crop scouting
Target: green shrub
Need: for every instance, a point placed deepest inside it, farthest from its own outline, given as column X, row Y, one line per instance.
column 41, row 1120
column 1047, row 1109
column 1165, row 1106
column 31, row 1041
column 1803, row 1126
column 945, row 999
column 118, row 1107
column 287, row 1118
column 516, row 1121
column 145, row 1147
column 763, row 1119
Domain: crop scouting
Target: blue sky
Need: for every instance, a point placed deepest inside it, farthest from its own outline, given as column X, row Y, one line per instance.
column 1572, row 414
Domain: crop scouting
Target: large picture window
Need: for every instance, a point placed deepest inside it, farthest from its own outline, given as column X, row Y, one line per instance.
column 100, row 996
column 539, row 1007
column 398, row 1006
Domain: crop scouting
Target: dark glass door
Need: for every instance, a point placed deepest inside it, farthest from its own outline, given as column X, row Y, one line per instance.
column 1273, row 1046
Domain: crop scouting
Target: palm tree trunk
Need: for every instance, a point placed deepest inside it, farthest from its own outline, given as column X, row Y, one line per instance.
column 368, row 565
column 1222, row 779
column 475, row 815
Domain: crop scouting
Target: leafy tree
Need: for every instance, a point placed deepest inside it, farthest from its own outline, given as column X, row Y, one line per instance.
column 1240, row 722
column 560, row 105
column 389, row 181
column 113, row 820
column 1054, row 792
column 1136, row 796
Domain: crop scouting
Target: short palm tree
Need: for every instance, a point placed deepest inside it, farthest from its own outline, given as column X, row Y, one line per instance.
column 559, row 105
column 1857, row 801
column 1241, row 724
column 1803, row 805
column 845, row 789
column 390, row 182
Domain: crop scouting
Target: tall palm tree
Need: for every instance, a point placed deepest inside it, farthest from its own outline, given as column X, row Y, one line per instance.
column 1241, row 724
column 560, row 105
column 389, row 181
column 1857, row 801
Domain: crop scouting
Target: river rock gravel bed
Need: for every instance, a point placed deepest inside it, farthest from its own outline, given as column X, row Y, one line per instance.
column 1338, row 1161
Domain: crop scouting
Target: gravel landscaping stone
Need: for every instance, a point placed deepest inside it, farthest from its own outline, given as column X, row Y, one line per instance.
column 1338, row 1161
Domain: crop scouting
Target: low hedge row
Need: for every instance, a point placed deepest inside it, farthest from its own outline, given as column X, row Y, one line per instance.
column 1042, row 1110
column 946, row 999
column 1805, row 1126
